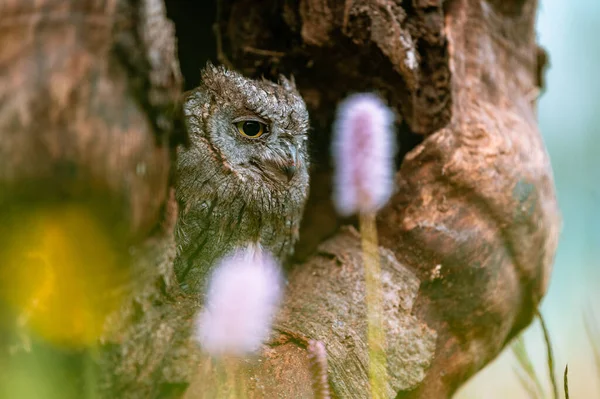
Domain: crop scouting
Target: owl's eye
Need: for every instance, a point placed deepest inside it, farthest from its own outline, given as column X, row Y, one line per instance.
column 251, row 129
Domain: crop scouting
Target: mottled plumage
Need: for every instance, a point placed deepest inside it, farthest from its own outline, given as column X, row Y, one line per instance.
column 234, row 189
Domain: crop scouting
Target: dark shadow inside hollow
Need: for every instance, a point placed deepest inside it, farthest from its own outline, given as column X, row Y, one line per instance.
column 196, row 42
column 263, row 39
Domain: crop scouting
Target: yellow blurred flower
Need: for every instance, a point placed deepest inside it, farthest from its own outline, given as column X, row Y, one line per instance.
column 62, row 274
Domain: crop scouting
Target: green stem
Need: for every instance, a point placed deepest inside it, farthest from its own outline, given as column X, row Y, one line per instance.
column 373, row 294
column 234, row 372
column 550, row 355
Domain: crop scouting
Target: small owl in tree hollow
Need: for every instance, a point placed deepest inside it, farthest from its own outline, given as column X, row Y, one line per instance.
column 244, row 177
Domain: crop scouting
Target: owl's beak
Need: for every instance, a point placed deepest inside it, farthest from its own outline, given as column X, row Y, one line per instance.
column 291, row 168
column 284, row 166
column 290, row 171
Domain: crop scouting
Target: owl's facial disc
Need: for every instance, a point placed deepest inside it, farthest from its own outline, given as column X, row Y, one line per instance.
column 265, row 149
column 257, row 128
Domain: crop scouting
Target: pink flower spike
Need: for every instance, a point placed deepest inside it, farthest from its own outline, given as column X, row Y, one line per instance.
column 244, row 293
column 317, row 357
column 363, row 151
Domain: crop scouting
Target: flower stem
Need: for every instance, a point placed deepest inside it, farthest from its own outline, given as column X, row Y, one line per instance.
column 375, row 331
column 235, row 377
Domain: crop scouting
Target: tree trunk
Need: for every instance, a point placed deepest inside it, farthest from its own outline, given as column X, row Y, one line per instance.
column 467, row 241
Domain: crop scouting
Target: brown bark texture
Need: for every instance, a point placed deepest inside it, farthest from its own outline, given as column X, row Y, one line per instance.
column 88, row 89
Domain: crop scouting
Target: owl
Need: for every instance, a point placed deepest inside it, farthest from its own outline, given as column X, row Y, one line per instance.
column 244, row 176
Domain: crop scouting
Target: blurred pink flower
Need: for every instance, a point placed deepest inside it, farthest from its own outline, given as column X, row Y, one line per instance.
column 317, row 357
column 363, row 151
column 244, row 293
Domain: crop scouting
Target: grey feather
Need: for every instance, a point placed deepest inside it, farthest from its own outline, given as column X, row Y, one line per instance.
column 233, row 190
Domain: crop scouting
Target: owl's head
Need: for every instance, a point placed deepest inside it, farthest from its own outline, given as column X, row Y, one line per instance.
column 255, row 128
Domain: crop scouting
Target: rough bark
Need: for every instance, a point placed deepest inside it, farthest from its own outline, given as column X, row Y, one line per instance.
column 474, row 215
column 467, row 240
column 88, row 106
column 88, row 93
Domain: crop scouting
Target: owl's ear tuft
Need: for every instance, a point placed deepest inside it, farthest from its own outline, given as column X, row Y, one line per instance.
column 210, row 71
column 216, row 77
column 288, row 84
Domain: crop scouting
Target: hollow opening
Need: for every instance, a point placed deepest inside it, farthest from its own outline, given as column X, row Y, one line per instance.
column 196, row 41
column 263, row 39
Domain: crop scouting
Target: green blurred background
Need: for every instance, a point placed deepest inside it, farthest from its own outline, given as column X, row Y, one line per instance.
column 569, row 116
